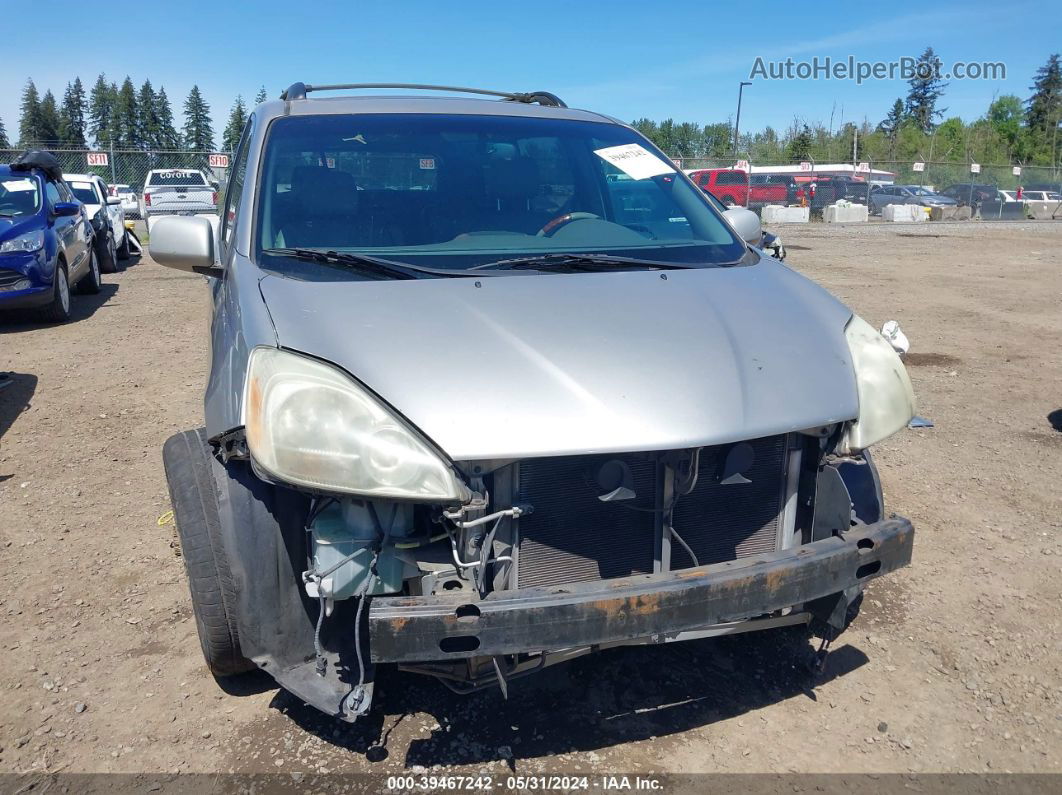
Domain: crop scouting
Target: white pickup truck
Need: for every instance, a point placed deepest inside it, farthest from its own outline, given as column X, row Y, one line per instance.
column 177, row 191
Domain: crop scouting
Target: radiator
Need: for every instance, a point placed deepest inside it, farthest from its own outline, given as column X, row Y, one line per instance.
column 572, row 536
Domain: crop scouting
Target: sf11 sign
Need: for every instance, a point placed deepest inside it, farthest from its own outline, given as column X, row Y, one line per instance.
column 96, row 158
column 217, row 160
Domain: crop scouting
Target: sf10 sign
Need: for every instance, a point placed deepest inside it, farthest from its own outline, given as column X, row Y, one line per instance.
column 96, row 158
column 217, row 160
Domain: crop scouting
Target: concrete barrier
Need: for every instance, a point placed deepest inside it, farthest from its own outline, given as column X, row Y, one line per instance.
column 845, row 213
column 777, row 214
column 1043, row 210
column 904, row 213
column 1007, row 211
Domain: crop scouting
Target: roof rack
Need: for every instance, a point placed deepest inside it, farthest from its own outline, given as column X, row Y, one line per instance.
column 300, row 90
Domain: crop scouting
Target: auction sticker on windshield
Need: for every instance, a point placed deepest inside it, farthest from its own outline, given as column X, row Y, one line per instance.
column 635, row 161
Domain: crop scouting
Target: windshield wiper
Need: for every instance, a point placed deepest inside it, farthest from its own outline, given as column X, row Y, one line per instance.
column 361, row 262
column 578, row 262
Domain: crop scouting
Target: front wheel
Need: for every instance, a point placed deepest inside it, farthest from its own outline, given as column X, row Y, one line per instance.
column 91, row 281
column 58, row 311
column 123, row 250
column 107, row 254
column 186, row 459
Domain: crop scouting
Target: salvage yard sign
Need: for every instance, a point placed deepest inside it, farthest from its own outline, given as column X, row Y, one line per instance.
column 218, row 160
column 97, row 158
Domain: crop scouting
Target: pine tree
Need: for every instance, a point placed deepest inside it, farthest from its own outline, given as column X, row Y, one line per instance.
column 237, row 119
column 198, row 133
column 168, row 137
column 72, row 116
column 799, row 146
column 101, row 110
column 126, row 122
column 927, row 87
column 1045, row 105
column 49, row 132
column 29, row 123
column 147, row 117
column 890, row 125
column 260, row 97
column 4, row 143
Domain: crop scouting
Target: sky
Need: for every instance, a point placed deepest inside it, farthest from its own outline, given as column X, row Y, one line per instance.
column 627, row 59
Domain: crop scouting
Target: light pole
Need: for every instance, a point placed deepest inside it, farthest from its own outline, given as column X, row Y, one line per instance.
column 737, row 119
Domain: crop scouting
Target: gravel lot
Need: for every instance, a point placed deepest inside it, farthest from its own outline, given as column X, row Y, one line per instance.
column 955, row 664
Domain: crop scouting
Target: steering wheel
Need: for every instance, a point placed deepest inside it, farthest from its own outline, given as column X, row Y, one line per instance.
column 561, row 220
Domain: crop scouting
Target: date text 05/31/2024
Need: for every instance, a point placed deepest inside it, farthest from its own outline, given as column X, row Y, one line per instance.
column 544, row 783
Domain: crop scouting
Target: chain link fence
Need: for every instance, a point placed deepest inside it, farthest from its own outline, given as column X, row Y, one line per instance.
column 990, row 191
column 130, row 166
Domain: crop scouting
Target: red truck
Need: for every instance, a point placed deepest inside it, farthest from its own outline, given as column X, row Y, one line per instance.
column 732, row 186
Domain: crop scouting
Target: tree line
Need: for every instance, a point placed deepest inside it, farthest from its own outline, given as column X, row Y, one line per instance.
column 122, row 117
column 1012, row 130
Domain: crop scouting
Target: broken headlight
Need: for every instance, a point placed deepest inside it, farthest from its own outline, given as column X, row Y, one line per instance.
column 309, row 424
column 886, row 399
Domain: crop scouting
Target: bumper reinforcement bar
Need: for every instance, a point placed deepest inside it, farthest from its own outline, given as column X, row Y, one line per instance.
column 422, row 628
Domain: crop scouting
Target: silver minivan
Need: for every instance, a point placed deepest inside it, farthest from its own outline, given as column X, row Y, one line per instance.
column 494, row 385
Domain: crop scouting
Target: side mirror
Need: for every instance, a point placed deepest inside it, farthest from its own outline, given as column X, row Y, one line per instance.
column 66, row 209
column 114, row 201
column 746, row 223
column 185, row 243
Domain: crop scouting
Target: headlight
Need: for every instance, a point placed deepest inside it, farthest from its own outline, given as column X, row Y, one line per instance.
column 886, row 399
column 309, row 424
column 31, row 241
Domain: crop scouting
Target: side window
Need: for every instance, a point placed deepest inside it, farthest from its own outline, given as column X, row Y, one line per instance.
column 235, row 187
column 52, row 192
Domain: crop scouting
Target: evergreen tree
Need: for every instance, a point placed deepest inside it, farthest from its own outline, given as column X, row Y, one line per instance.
column 49, row 132
column 72, row 116
column 927, row 87
column 1045, row 105
column 4, row 143
column 147, row 117
column 101, row 111
column 260, row 97
column 29, row 123
column 168, row 136
column 799, row 146
column 126, row 121
column 890, row 125
column 198, row 133
column 233, row 130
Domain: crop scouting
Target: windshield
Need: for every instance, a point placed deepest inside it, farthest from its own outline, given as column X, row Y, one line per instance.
column 176, row 178
column 454, row 192
column 84, row 193
column 19, row 196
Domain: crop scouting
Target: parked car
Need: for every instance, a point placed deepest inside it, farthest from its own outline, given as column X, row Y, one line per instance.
column 734, row 187
column 882, row 195
column 177, row 191
column 130, row 201
column 106, row 216
column 967, row 194
column 1041, row 195
column 775, row 196
column 826, row 189
column 45, row 239
column 472, row 476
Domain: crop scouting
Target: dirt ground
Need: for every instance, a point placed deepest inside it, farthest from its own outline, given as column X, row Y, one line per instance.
column 955, row 664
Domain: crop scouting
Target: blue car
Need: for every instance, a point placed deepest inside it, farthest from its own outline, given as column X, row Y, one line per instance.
column 45, row 243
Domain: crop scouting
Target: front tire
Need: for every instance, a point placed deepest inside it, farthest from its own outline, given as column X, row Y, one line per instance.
column 186, row 458
column 58, row 311
column 108, row 257
column 123, row 250
column 91, row 281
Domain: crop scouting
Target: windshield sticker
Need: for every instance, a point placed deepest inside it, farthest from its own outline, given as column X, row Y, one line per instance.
column 427, row 163
column 635, row 160
column 13, row 185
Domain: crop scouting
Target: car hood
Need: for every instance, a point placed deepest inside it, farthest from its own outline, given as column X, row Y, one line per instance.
column 535, row 365
column 13, row 227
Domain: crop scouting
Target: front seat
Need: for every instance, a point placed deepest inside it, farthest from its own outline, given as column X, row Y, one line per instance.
column 511, row 186
column 323, row 212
